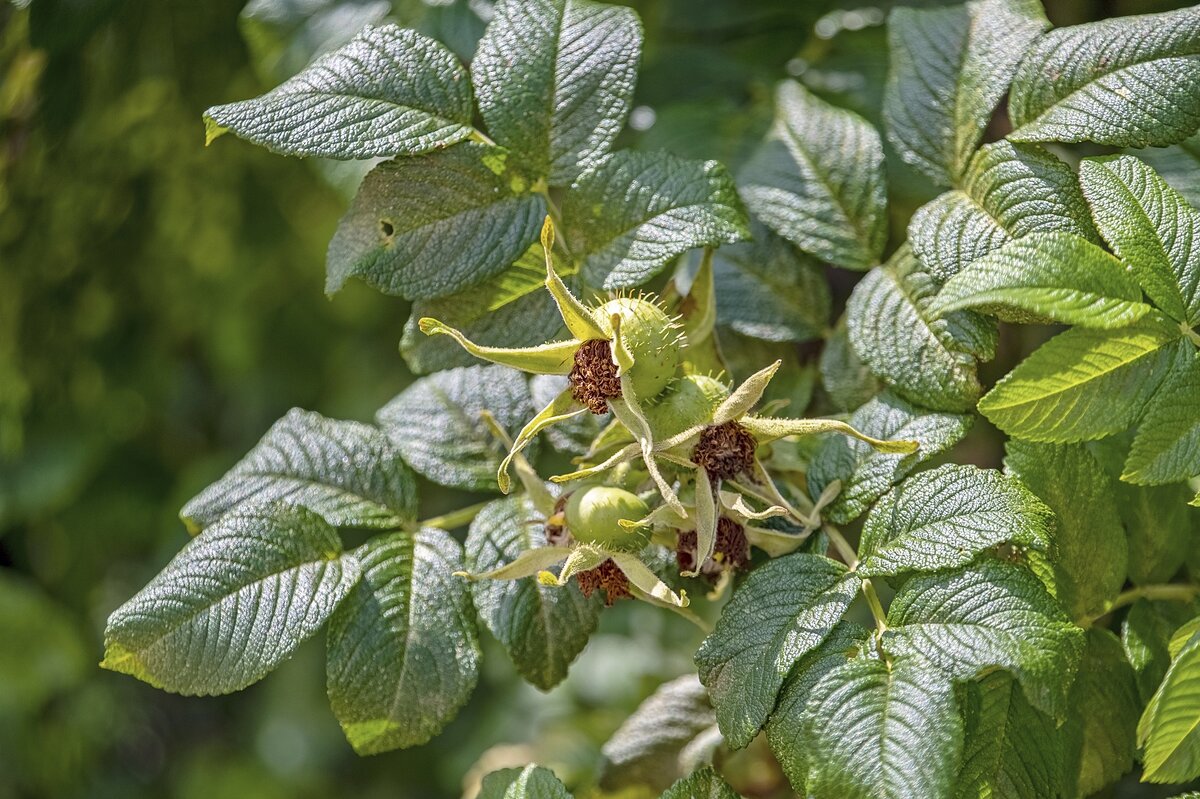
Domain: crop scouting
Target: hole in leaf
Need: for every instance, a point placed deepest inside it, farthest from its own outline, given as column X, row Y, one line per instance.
column 387, row 229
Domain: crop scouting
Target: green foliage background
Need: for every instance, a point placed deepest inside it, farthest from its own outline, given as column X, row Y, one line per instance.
column 161, row 304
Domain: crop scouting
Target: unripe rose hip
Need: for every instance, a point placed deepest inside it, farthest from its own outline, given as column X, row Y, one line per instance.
column 687, row 402
column 594, row 516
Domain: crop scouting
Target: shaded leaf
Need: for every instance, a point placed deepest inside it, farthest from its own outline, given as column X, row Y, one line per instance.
column 647, row 748
column 530, row 782
column 1104, row 712
column 436, row 423
column 768, row 290
column 349, row 473
column 542, row 628
column 1145, row 634
column 818, row 180
column 233, row 604
column 435, row 224
column 1167, row 446
column 1011, row 750
column 1089, row 540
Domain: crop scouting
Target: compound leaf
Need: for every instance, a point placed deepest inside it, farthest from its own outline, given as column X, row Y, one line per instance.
column 866, row 473
column 1169, row 730
column 897, row 734
column 555, row 81
column 783, row 610
column 436, row 423
column 1125, row 82
column 949, row 69
column 1008, row 191
column 1089, row 540
column 928, row 360
column 946, row 516
column 435, row 224
column 1057, row 276
column 233, row 604
column 349, row 473
column 388, row 92
column 632, row 212
column 986, row 615
column 1083, row 384
column 1151, row 226
column 542, row 628
column 818, row 180
column 403, row 651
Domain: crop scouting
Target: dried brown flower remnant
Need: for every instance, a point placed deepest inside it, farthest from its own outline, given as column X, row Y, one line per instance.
column 731, row 551
column 606, row 576
column 593, row 378
column 725, row 451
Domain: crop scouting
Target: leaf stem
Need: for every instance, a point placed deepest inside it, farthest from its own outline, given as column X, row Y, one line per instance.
column 876, row 606
column 1190, row 333
column 479, row 136
column 847, row 552
column 455, row 518
column 555, row 216
column 1177, row 592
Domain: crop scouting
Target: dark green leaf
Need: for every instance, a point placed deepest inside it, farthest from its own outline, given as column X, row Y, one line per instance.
column 555, row 80
column 233, row 604
column 1177, row 165
column 818, row 180
column 632, row 212
column 947, row 516
column 989, row 614
column 1011, row 750
column 783, row 610
column 879, row 730
column 437, row 426
column 388, row 92
column 786, row 728
column 1151, row 227
column 542, row 628
column 349, row 473
column 1104, row 712
column 650, row 747
column 927, row 360
column 766, row 289
column 1145, row 634
column 403, row 654
column 509, row 309
column 1056, row 276
column 1082, row 384
column 1008, row 191
column 1125, row 82
column 844, row 376
column 1090, row 542
column 867, row 474
column 432, row 225
column 949, row 69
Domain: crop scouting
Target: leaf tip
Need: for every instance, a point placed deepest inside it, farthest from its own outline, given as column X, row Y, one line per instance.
column 213, row 129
